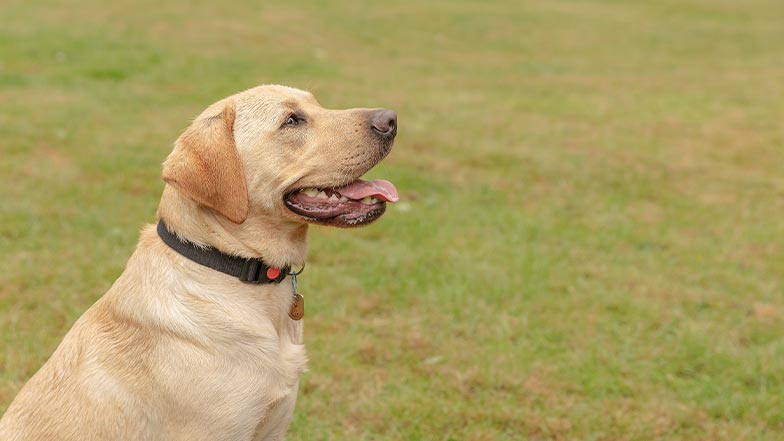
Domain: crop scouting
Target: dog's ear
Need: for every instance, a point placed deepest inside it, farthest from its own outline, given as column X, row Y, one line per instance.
column 205, row 165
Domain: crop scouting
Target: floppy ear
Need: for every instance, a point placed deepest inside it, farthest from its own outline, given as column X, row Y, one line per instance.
column 205, row 165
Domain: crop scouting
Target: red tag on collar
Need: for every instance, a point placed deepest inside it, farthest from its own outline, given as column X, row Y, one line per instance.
column 273, row 273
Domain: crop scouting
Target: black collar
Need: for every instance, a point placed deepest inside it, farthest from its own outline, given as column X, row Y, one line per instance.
column 247, row 270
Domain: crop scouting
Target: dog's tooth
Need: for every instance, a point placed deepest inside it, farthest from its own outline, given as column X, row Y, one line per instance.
column 321, row 195
column 312, row 192
column 343, row 199
column 333, row 197
column 367, row 201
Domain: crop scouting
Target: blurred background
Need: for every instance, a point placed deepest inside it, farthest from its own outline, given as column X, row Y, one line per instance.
column 589, row 243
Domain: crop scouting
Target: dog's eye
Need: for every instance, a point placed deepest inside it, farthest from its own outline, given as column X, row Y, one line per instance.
column 292, row 120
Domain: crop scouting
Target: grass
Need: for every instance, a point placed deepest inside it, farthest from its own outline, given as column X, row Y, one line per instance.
column 590, row 245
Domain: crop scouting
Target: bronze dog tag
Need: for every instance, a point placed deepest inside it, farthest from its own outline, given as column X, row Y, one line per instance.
column 297, row 310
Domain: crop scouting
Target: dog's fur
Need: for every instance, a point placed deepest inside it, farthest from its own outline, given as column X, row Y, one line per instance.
column 178, row 351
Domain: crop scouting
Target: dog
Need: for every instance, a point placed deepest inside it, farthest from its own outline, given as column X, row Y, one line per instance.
column 181, row 348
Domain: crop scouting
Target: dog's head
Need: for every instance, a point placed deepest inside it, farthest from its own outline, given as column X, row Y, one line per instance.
column 275, row 149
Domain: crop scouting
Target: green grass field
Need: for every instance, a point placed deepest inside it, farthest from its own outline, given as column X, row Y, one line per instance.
column 591, row 243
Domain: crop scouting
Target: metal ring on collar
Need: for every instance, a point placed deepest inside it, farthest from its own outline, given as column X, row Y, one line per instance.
column 292, row 273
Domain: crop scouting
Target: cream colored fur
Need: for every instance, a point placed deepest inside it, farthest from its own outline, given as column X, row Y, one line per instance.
column 178, row 351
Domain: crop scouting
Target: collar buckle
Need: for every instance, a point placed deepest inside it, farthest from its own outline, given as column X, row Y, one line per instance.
column 251, row 271
column 255, row 271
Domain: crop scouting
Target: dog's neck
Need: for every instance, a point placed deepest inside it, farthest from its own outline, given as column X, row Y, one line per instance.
column 278, row 242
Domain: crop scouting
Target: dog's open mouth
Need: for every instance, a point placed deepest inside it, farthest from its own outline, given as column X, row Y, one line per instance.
column 357, row 203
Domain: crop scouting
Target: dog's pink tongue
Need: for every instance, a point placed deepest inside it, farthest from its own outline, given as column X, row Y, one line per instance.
column 360, row 189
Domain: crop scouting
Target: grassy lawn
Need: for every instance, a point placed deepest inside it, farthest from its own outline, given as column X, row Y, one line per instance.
column 591, row 243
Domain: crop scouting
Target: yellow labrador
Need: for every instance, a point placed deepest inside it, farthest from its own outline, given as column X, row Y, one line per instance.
column 181, row 348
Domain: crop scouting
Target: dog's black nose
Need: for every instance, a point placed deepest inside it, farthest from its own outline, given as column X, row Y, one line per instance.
column 384, row 122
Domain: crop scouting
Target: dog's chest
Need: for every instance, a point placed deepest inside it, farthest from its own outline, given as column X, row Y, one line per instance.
column 238, row 393
column 243, row 380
